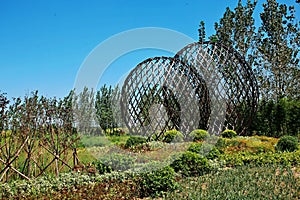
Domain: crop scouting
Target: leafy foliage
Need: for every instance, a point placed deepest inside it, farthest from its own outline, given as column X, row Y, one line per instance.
column 83, row 107
column 277, row 119
column 101, row 167
column 199, row 135
column 287, row 143
column 191, row 164
column 236, row 28
column 204, row 149
column 172, row 136
column 246, row 158
column 201, row 32
column 228, row 134
column 134, row 140
column 156, row 183
column 277, row 51
column 116, row 162
column 246, row 182
column 106, row 115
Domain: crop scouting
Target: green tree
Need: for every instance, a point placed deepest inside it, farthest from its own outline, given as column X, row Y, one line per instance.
column 3, row 105
column 236, row 28
column 84, row 110
column 277, row 51
column 201, row 31
column 104, row 108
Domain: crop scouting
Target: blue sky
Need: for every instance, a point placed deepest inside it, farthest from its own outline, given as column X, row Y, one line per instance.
column 44, row 43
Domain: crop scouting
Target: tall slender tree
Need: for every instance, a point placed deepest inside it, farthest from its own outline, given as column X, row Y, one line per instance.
column 236, row 28
column 201, row 31
column 277, row 54
column 3, row 105
column 104, row 109
column 84, row 110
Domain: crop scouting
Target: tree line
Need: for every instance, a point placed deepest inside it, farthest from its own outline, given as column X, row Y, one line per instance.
column 272, row 50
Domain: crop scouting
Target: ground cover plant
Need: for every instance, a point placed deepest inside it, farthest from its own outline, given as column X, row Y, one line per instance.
column 191, row 175
column 246, row 182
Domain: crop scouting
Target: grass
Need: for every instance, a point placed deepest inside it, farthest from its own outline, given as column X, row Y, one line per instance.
column 269, row 182
column 102, row 141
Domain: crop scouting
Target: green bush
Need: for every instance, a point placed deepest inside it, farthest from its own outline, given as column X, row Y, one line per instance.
column 191, row 164
column 134, row 140
column 195, row 147
column 102, row 168
column 287, row 143
column 172, row 136
column 141, row 147
column 155, row 145
column 221, row 143
column 228, row 134
column 199, row 135
column 118, row 161
column 204, row 149
column 246, row 158
column 156, row 183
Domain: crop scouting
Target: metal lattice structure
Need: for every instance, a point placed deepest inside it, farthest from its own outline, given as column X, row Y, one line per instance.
column 206, row 85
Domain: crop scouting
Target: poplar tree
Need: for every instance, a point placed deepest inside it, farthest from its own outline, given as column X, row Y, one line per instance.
column 236, row 28
column 277, row 51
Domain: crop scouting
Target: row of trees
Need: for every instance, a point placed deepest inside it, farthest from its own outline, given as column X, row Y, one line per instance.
column 97, row 112
column 272, row 49
column 84, row 111
column 39, row 135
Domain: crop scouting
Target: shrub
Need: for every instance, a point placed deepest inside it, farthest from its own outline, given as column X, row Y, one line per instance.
column 118, row 161
column 141, row 147
column 191, row 164
column 102, row 168
column 155, row 145
column 221, row 143
column 228, row 134
column 199, row 135
column 287, row 143
column 172, row 136
column 155, row 183
column 246, row 158
column 204, row 149
column 134, row 140
column 195, row 147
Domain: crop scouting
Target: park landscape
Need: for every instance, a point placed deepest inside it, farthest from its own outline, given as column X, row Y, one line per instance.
column 50, row 150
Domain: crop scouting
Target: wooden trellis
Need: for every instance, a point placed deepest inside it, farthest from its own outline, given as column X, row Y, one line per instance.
column 163, row 93
column 230, row 80
column 206, row 85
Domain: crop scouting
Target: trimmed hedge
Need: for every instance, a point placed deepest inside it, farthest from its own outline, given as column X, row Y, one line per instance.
column 156, row 183
column 172, row 136
column 228, row 134
column 243, row 158
column 191, row 164
column 199, row 135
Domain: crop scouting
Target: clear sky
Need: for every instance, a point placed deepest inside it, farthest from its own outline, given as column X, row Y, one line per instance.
column 43, row 43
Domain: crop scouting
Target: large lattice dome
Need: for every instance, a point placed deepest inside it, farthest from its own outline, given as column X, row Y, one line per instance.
column 206, row 85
